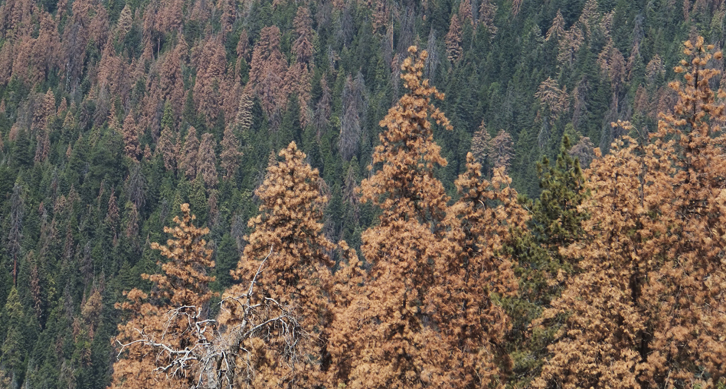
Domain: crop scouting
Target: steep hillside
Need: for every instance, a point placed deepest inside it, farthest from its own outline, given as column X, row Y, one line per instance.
column 114, row 113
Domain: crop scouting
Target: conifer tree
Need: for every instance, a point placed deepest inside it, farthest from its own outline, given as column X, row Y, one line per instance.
column 289, row 250
column 453, row 40
column 643, row 312
column 584, row 151
column 487, row 12
column 243, row 119
column 12, row 349
column 354, row 105
column 556, row 221
column 131, row 138
column 166, row 146
column 267, row 70
column 303, row 45
column 405, row 351
column 598, row 344
column 502, row 152
column 476, row 272
column 189, row 157
column 555, row 214
column 557, row 29
column 230, row 153
column 159, row 342
column 691, row 283
column 481, row 147
column 207, row 161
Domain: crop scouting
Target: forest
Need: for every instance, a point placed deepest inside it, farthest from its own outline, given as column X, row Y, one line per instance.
column 362, row 194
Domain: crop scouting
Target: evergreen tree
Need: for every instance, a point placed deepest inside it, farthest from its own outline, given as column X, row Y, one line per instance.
column 290, row 254
column 13, row 349
column 230, row 154
column 161, row 328
column 406, row 351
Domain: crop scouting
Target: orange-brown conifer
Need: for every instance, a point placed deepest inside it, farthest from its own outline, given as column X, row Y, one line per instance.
column 453, row 40
column 647, row 309
column 131, row 138
column 188, row 161
column 288, row 248
column 159, row 344
column 207, row 161
column 386, row 338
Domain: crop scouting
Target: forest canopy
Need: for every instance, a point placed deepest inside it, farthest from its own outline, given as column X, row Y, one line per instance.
column 363, row 194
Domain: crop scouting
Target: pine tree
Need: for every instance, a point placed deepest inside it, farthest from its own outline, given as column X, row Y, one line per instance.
column 405, row 351
column 691, row 282
column 477, row 272
column 168, row 149
column 267, row 70
column 303, row 45
column 243, row 119
column 557, row 29
column 453, row 40
column 207, row 161
column 161, row 329
column 13, row 347
column 189, row 158
column 289, row 250
column 584, row 151
column 131, row 138
column 481, row 148
column 556, row 221
column 598, row 343
column 487, row 12
column 354, row 106
column 643, row 310
column 502, row 152
column 230, row 153
column 555, row 214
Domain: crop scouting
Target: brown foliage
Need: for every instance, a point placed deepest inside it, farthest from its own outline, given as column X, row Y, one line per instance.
column 569, row 45
column 420, row 318
column 597, row 346
column 303, row 45
column 131, row 138
column 474, row 269
column 230, row 153
column 612, row 64
column 207, row 160
column 647, row 309
column 453, row 40
column 481, row 146
column 171, row 79
column 691, row 283
column 557, row 30
column 552, row 97
column 466, row 13
column 584, row 150
column 267, row 70
column 161, row 330
column 487, row 11
column 502, row 151
column 210, row 79
column 243, row 120
column 288, row 237
column 166, row 146
column 188, row 161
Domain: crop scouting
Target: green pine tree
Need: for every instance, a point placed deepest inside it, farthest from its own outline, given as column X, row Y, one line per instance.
column 555, row 222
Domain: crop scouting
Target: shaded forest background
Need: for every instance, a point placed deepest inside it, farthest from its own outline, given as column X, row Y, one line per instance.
column 113, row 114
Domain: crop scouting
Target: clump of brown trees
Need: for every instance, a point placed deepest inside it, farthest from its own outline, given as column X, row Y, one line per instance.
column 643, row 302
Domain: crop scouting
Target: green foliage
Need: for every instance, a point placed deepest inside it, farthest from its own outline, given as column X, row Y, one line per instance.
column 555, row 222
column 78, row 243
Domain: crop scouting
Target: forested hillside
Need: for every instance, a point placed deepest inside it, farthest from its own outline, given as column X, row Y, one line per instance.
column 362, row 193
